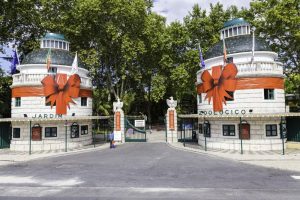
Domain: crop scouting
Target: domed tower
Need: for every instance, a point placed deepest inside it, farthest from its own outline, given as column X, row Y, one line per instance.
column 52, row 86
column 249, row 82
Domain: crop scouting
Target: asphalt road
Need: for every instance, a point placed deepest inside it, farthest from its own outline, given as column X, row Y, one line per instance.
column 144, row 171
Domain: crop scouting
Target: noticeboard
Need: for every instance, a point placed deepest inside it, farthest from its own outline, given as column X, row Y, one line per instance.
column 139, row 123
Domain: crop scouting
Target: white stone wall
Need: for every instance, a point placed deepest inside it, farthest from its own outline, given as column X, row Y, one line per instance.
column 50, row 143
column 252, row 99
column 249, row 99
column 33, row 106
column 258, row 139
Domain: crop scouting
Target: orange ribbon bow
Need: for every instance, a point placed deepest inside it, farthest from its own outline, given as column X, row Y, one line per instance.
column 218, row 84
column 59, row 90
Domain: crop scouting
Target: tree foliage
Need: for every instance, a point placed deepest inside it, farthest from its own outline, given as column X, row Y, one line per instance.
column 133, row 54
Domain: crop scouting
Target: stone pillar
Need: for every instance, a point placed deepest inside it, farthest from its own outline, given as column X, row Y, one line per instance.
column 119, row 125
column 171, row 121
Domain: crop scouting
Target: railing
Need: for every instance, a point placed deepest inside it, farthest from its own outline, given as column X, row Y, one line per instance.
column 248, row 69
column 260, row 67
column 35, row 79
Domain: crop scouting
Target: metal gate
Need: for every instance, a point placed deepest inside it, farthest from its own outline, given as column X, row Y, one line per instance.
column 293, row 129
column 135, row 129
column 187, row 130
column 5, row 135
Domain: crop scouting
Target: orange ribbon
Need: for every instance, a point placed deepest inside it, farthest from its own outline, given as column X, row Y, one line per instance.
column 59, row 90
column 218, row 84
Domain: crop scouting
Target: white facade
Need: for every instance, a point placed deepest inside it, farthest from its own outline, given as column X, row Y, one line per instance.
column 34, row 107
column 246, row 101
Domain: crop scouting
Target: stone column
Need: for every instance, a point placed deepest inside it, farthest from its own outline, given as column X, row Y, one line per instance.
column 171, row 121
column 119, row 125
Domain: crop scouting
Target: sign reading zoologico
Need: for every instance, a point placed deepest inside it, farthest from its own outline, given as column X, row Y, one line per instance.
column 224, row 112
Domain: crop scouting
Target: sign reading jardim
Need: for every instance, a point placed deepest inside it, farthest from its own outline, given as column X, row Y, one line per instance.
column 139, row 123
column 225, row 112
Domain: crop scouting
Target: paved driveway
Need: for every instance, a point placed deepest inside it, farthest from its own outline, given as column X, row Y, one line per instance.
column 144, row 171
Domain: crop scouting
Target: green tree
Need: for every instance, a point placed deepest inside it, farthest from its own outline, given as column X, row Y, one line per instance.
column 279, row 22
column 5, row 94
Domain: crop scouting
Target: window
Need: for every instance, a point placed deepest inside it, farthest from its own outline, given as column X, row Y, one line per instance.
column 16, row 132
column 83, row 101
column 230, row 60
column 51, row 132
column 230, row 32
column 56, row 44
column 52, row 43
column 269, row 93
column 49, row 103
column 18, row 102
column 48, row 43
column 52, row 70
column 231, row 94
column 235, row 31
column 239, row 30
column 199, row 98
column 244, row 30
column 84, row 130
column 64, row 44
column 60, row 45
column 228, row 130
column 271, row 129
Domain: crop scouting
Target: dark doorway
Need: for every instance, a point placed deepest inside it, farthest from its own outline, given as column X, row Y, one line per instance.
column 245, row 131
column 293, row 129
column 5, row 135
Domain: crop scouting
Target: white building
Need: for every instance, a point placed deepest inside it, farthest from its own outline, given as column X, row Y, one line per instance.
column 29, row 101
column 259, row 92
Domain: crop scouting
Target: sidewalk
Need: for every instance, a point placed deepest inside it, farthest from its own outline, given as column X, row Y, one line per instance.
column 12, row 157
column 273, row 159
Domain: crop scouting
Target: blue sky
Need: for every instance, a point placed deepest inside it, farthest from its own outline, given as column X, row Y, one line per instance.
column 172, row 10
column 177, row 9
column 5, row 65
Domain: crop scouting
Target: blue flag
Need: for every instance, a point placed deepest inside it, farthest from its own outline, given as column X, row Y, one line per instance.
column 14, row 62
column 202, row 64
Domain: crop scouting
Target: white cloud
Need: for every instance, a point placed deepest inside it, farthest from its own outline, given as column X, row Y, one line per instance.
column 177, row 9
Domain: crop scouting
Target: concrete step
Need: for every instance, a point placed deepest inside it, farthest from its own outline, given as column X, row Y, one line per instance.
column 293, row 145
column 156, row 136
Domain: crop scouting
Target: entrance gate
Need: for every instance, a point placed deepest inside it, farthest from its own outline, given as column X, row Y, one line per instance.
column 135, row 129
column 5, row 134
column 293, row 129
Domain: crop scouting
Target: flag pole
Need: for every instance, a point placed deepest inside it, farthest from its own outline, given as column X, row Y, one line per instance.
column 224, row 52
column 16, row 49
column 253, row 45
column 201, row 60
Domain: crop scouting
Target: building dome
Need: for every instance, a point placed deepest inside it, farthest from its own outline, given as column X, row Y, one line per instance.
column 235, row 22
column 60, row 54
column 238, row 44
column 58, row 57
